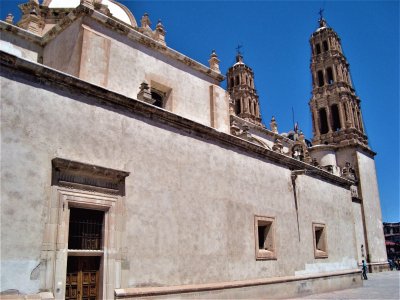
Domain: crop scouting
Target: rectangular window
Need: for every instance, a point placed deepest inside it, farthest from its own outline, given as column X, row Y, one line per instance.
column 320, row 240
column 85, row 229
column 264, row 228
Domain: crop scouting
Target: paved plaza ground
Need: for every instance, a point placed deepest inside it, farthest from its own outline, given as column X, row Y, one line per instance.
column 385, row 285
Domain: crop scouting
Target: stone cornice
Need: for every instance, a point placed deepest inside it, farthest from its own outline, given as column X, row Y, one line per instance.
column 23, row 33
column 41, row 74
column 72, row 173
column 117, row 26
column 350, row 144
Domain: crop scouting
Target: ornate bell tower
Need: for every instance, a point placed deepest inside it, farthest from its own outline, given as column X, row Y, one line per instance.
column 340, row 145
column 241, row 89
column 335, row 108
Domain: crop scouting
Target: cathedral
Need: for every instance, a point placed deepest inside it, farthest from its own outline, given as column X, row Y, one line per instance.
column 129, row 171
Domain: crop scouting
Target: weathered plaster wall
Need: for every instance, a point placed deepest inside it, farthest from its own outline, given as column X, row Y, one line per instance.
column 19, row 47
column 121, row 65
column 359, row 230
column 372, row 208
column 190, row 203
column 64, row 51
column 323, row 203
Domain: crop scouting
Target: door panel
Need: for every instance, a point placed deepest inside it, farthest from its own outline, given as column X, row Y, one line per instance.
column 82, row 281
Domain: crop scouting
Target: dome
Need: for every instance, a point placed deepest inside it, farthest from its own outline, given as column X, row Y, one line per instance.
column 117, row 10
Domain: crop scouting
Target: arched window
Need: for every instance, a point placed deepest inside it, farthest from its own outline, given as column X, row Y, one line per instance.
column 237, row 106
column 236, row 80
column 318, row 48
column 325, row 45
column 320, row 78
column 158, row 97
column 335, row 117
column 323, row 121
column 231, row 82
column 330, row 75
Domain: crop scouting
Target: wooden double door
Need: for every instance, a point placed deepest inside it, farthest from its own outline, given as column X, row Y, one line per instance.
column 82, row 278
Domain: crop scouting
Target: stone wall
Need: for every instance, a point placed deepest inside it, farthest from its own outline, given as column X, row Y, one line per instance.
column 190, row 200
column 372, row 208
column 111, row 60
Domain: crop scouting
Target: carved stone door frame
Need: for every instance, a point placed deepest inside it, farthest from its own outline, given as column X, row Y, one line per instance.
column 78, row 185
column 87, row 200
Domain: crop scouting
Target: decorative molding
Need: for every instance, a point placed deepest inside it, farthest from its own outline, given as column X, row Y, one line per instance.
column 70, row 173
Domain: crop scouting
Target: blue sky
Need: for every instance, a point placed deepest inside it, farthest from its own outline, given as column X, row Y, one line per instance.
column 275, row 38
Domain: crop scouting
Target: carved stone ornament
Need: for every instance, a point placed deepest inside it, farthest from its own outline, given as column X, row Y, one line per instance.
column 144, row 93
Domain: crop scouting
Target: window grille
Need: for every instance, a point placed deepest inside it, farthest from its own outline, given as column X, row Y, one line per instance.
column 85, row 229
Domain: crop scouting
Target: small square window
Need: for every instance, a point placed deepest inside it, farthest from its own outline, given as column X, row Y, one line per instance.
column 264, row 229
column 320, row 241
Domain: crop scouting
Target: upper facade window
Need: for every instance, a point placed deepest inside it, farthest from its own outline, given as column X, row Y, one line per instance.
column 320, row 240
column 158, row 97
column 264, row 228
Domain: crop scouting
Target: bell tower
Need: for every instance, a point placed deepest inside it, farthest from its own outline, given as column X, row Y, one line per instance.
column 335, row 107
column 244, row 104
column 340, row 145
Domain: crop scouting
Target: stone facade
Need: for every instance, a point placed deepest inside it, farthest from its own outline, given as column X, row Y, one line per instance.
column 179, row 195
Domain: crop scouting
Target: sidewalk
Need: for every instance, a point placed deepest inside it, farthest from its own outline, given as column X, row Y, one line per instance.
column 385, row 285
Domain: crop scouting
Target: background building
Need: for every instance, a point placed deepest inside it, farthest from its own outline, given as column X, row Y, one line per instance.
column 136, row 174
column 392, row 239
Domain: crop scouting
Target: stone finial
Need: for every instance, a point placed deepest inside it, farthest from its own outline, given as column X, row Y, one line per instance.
column 301, row 137
column 159, row 33
column 278, row 146
column 160, row 27
column 214, row 62
column 273, row 125
column 10, row 18
column 145, row 21
column 144, row 93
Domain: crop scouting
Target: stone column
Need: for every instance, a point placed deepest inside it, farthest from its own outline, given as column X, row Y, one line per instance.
column 361, row 121
column 342, row 117
column 357, row 125
column 351, row 115
column 329, row 118
column 316, row 123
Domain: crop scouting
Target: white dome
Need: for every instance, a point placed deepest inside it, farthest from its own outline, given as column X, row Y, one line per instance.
column 117, row 10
